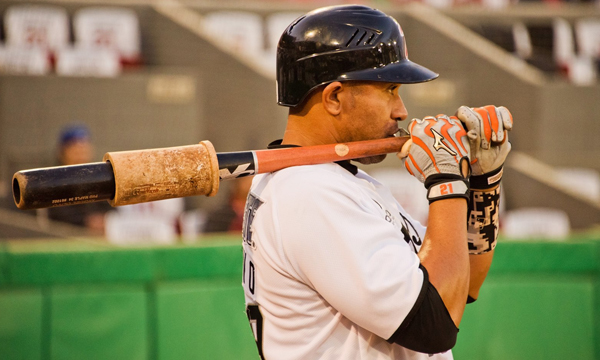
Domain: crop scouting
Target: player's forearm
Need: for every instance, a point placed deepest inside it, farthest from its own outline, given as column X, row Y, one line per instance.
column 482, row 229
column 479, row 267
column 444, row 254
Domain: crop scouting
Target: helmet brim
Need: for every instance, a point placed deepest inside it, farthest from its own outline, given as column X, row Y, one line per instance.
column 401, row 72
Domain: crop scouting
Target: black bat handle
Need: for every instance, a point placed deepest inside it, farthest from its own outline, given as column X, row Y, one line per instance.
column 63, row 185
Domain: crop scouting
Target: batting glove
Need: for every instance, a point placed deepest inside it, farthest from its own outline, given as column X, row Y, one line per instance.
column 487, row 130
column 438, row 155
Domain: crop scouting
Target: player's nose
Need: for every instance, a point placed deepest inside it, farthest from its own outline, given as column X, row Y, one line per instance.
column 399, row 111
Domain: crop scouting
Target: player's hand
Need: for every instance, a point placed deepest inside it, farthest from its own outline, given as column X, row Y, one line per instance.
column 487, row 130
column 438, row 155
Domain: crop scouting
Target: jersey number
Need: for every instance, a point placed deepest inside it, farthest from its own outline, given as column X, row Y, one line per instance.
column 256, row 323
column 248, row 273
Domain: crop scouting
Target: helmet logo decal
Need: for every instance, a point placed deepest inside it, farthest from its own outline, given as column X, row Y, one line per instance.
column 363, row 33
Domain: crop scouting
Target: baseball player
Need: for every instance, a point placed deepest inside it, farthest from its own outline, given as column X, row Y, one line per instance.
column 334, row 268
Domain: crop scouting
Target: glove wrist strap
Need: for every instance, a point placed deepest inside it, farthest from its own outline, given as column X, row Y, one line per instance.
column 487, row 180
column 446, row 186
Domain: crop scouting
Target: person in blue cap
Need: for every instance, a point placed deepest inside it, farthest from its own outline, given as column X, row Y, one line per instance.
column 75, row 147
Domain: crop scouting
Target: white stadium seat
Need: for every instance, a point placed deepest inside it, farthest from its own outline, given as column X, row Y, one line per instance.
column 24, row 61
column 116, row 29
column 539, row 223
column 581, row 69
column 37, row 26
column 240, row 31
column 147, row 223
column 276, row 23
column 587, row 34
column 93, row 62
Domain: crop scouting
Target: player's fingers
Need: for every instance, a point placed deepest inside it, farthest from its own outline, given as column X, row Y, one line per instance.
column 413, row 168
column 495, row 123
column 464, row 144
column 461, row 136
column 507, row 119
column 417, row 145
column 468, row 117
column 415, row 125
column 498, row 131
column 486, row 126
column 405, row 150
column 454, row 133
column 473, row 122
column 505, row 137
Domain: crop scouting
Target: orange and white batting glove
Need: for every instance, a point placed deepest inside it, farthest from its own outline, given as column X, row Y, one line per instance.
column 487, row 129
column 438, row 155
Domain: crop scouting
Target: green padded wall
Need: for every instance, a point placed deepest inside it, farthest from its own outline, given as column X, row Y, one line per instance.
column 98, row 322
column 191, row 322
column 21, row 324
column 529, row 317
column 84, row 299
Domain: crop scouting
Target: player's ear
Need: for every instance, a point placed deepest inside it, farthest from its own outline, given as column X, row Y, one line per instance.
column 330, row 97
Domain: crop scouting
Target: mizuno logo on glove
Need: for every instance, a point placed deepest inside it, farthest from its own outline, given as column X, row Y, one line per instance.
column 438, row 143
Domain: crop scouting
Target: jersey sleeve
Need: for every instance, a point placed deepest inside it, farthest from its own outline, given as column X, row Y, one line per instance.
column 340, row 243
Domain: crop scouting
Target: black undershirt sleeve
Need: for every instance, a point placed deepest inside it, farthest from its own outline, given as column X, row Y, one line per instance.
column 428, row 327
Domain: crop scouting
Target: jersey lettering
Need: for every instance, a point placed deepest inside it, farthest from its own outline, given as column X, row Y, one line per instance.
column 411, row 236
column 252, row 204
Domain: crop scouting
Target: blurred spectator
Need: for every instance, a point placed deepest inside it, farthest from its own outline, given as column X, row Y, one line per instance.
column 75, row 147
column 154, row 222
column 229, row 217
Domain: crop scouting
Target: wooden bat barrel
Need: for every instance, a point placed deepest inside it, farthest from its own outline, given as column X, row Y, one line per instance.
column 158, row 174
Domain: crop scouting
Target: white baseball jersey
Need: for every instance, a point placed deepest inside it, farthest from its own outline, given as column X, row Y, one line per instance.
column 330, row 265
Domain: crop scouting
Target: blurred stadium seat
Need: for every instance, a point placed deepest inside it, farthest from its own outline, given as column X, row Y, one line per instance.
column 551, row 47
column 587, row 33
column 541, row 223
column 241, row 31
column 45, row 27
column 25, row 61
column 154, row 222
column 111, row 28
column 585, row 181
column 275, row 24
column 84, row 61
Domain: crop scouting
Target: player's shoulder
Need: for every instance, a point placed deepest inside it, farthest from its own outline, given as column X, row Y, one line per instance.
column 311, row 174
column 311, row 180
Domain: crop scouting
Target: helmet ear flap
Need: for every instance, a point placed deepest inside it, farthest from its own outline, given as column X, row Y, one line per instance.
column 342, row 43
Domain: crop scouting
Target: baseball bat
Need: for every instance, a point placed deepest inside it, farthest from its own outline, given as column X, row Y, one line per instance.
column 131, row 177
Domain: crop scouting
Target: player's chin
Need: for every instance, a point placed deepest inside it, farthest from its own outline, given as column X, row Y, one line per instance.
column 371, row 159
